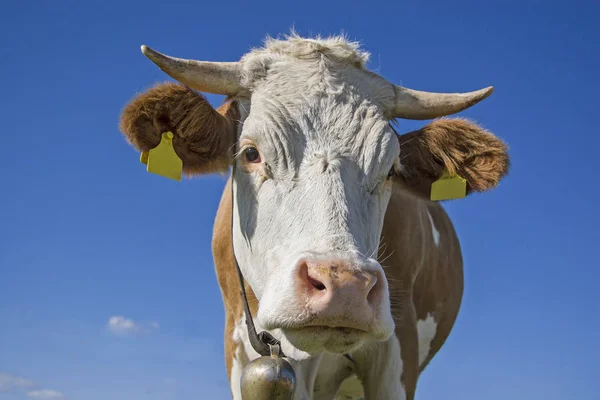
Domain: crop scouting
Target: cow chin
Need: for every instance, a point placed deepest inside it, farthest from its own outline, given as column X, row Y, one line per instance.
column 339, row 336
column 316, row 339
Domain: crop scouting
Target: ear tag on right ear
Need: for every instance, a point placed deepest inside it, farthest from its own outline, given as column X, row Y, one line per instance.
column 448, row 187
column 162, row 160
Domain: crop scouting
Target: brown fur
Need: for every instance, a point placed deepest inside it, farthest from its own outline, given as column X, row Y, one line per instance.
column 202, row 135
column 423, row 278
column 458, row 145
column 227, row 277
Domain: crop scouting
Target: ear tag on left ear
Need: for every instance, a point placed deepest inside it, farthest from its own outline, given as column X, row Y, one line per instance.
column 162, row 160
column 448, row 187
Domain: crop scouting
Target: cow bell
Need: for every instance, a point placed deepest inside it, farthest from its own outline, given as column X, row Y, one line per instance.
column 269, row 378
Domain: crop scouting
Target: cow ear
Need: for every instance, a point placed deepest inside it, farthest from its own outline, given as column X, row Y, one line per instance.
column 203, row 136
column 456, row 145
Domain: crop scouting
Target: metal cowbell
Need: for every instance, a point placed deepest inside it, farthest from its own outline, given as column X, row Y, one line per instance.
column 268, row 378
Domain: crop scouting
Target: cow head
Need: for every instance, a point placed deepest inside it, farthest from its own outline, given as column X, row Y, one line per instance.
column 308, row 128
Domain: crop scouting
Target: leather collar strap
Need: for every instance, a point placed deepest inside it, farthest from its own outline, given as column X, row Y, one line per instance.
column 261, row 342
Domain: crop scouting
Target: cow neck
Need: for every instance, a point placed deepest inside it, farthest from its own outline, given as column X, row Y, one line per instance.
column 261, row 342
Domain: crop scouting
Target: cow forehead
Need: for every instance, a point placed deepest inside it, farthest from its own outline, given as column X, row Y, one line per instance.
column 328, row 66
column 296, row 66
column 301, row 128
column 310, row 98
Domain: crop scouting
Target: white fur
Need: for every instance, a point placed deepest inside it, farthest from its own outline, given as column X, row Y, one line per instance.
column 434, row 231
column 334, row 378
column 241, row 356
column 350, row 389
column 236, row 375
column 427, row 329
column 380, row 366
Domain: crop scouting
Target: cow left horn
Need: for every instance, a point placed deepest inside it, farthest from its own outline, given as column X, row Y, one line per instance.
column 414, row 104
column 210, row 77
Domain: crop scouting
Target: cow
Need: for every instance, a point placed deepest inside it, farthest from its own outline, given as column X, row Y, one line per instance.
column 345, row 257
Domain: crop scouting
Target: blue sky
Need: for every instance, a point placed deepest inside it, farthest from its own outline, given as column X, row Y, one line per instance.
column 86, row 234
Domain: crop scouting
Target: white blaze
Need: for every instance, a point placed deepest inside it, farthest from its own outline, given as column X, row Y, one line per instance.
column 434, row 231
column 239, row 358
column 427, row 329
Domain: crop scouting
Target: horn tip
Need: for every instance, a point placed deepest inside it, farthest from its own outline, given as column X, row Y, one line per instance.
column 145, row 50
column 154, row 56
column 487, row 91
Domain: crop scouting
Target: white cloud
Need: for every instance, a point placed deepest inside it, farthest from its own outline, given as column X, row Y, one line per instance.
column 119, row 325
column 10, row 382
column 45, row 394
column 16, row 384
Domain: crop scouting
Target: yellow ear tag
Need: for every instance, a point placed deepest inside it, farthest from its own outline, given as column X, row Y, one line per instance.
column 162, row 160
column 448, row 187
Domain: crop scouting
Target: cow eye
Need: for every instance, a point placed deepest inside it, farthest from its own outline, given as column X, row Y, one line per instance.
column 391, row 173
column 252, row 155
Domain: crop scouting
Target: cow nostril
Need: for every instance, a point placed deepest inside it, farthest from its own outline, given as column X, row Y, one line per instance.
column 375, row 291
column 316, row 283
column 304, row 274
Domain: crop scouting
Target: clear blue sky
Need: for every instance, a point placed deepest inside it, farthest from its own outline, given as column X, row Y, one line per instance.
column 86, row 234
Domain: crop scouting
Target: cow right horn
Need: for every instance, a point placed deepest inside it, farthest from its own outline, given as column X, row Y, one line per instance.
column 209, row 77
column 415, row 104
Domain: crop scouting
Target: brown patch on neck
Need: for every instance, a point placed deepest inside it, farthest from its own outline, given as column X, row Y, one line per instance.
column 439, row 285
column 402, row 250
column 227, row 275
column 423, row 278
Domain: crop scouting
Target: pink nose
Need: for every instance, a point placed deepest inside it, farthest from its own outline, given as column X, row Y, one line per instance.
column 339, row 294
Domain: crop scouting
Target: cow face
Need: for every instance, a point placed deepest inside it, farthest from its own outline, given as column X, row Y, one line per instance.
column 308, row 130
column 311, row 189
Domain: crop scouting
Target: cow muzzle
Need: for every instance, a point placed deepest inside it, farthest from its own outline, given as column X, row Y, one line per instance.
column 335, row 305
column 338, row 295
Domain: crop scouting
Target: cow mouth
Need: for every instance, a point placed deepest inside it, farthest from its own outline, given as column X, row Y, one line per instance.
column 325, row 328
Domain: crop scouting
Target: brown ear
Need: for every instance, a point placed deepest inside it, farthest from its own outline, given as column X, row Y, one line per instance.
column 457, row 145
column 202, row 137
